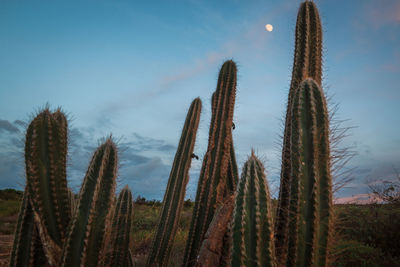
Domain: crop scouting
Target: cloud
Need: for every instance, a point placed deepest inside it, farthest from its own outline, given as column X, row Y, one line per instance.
column 9, row 127
column 360, row 199
column 144, row 161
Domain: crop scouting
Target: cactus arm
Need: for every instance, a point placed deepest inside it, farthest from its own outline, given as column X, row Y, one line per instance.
column 232, row 176
column 45, row 160
column 252, row 229
column 120, row 232
column 23, row 237
column 86, row 234
column 311, row 202
column 307, row 63
column 175, row 193
column 212, row 184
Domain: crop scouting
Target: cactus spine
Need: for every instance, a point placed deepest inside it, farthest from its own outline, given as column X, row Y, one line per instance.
column 175, row 193
column 311, row 195
column 212, row 186
column 252, row 228
column 45, row 160
column 307, row 63
column 121, row 228
column 91, row 221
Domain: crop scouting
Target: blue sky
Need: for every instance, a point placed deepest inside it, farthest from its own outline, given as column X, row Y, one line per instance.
column 132, row 68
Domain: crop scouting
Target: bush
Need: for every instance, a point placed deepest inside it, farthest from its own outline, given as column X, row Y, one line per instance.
column 374, row 225
column 350, row 253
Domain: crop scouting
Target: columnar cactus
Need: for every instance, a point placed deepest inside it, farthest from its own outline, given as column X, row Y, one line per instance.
column 85, row 241
column 307, row 63
column 45, row 161
column 212, row 186
column 24, row 234
column 252, row 227
column 311, row 186
column 119, row 240
column 233, row 176
column 176, row 188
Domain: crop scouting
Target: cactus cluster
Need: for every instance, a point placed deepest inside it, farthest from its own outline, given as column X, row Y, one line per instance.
column 54, row 228
column 232, row 222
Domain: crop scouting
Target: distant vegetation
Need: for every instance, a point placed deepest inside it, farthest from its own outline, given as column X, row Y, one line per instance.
column 365, row 235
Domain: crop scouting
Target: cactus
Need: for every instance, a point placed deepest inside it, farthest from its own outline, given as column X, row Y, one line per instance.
column 24, row 234
column 252, row 228
column 175, row 193
column 119, row 254
column 232, row 176
column 45, row 160
column 307, row 63
column 212, row 185
column 85, row 240
column 72, row 201
column 311, row 193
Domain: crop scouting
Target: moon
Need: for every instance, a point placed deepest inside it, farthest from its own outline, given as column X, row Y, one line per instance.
column 269, row 27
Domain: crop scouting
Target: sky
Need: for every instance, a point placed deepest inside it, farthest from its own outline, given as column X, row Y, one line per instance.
column 131, row 69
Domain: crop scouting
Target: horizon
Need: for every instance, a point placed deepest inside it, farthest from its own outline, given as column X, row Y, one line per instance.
column 133, row 70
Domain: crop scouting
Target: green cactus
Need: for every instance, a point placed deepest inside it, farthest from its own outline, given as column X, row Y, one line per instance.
column 252, row 227
column 119, row 254
column 176, row 188
column 85, row 241
column 212, row 185
column 311, row 188
column 24, row 234
column 307, row 63
column 45, row 161
column 233, row 176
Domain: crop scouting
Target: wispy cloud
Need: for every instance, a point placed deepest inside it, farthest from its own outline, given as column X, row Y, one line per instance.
column 7, row 126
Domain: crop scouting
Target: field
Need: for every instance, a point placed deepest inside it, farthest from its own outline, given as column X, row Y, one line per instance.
column 366, row 235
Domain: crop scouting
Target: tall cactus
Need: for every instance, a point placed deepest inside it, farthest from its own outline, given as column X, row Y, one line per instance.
column 252, row 227
column 85, row 240
column 45, row 161
column 307, row 63
column 175, row 193
column 311, row 187
column 212, row 186
column 119, row 254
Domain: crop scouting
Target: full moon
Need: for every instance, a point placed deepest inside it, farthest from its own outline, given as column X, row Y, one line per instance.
column 269, row 27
